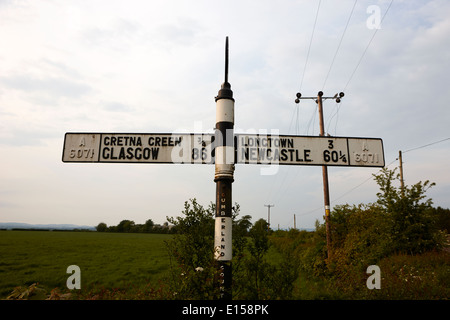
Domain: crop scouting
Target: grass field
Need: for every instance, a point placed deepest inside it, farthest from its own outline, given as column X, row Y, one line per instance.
column 105, row 259
column 134, row 261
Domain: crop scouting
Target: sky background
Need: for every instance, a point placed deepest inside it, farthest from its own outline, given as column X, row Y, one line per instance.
column 156, row 66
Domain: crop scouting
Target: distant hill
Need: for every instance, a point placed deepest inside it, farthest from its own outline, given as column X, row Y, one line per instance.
column 18, row 225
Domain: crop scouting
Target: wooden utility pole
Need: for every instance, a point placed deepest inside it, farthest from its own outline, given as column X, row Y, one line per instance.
column 295, row 225
column 268, row 214
column 326, row 193
column 402, row 183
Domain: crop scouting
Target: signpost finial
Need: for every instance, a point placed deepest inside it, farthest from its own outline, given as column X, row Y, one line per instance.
column 226, row 60
column 225, row 91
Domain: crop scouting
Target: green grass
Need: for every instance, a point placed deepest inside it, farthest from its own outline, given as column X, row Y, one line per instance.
column 111, row 260
column 123, row 265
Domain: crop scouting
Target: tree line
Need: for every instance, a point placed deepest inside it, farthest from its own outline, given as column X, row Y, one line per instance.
column 129, row 226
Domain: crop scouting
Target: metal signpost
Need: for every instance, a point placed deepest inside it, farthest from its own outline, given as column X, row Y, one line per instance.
column 191, row 148
column 224, row 149
column 307, row 150
column 138, row 148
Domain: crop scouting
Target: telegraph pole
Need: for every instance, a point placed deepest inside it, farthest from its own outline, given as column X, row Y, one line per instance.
column 402, row 182
column 224, row 177
column 268, row 214
column 326, row 193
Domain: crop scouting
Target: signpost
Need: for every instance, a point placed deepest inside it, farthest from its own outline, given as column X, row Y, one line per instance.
column 307, row 150
column 224, row 149
column 190, row 148
column 138, row 148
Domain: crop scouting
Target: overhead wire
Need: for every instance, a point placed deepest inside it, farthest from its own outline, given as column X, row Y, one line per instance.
column 369, row 178
column 307, row 58
column 312, row 121
column 344, row 194
column 335, row 114
column 426, row 145
column 333, row 60
column 359, row 185
column 304, row 67
column 367, row 47
column 345, row 87
column 313, row 116
column 339, row 45
column 338, row 108
column 310, row 44
column 296, row 111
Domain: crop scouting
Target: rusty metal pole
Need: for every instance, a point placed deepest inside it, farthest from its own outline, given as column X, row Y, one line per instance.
column 224, row 176
column 326, row 193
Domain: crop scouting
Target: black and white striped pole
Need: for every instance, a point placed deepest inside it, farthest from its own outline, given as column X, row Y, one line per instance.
column 223, row 177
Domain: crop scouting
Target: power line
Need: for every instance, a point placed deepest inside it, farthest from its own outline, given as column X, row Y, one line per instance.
column 334, row 58
column 339, row 45
column 359, row 185
column 310, row 43
column 306, row 63
column 292, row 118
column 367, row 47
column 312, row 121
column 359, row 61
column 296, row 113
column 336, row 113
column 344, row 194
column 326, row 78
column 362, row 183
column 427, row 145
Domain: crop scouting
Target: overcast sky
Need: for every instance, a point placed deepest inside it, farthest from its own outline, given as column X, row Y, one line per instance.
column 156, row 66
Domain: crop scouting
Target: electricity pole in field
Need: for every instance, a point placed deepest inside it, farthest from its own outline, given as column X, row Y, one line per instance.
column 402, row 182
column 268, row 214
column 326, row 194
